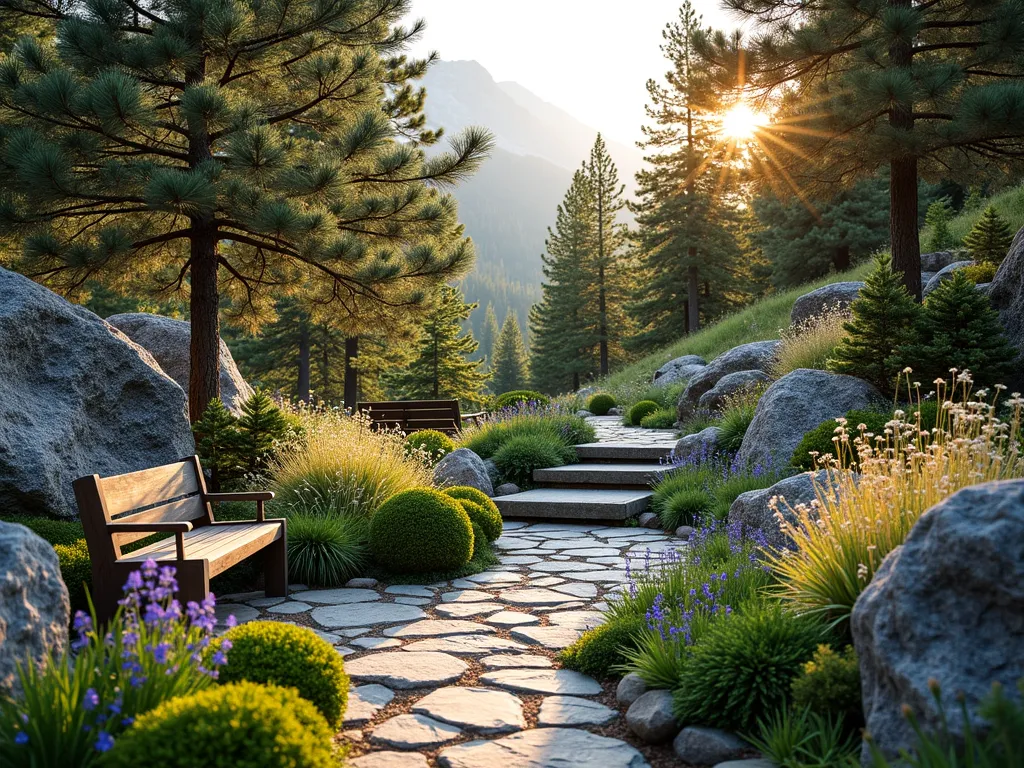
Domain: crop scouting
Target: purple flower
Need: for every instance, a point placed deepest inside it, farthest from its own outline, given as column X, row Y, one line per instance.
column 91, row 700
column 104, row 742
column 134, row 581
column 21, row 738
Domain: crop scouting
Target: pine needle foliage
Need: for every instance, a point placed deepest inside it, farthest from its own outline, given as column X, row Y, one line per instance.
column 230, row 150
column 510, row 367
column 937, row 221
column 990, row 239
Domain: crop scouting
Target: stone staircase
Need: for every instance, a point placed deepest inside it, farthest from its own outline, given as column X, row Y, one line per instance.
column 611, row 483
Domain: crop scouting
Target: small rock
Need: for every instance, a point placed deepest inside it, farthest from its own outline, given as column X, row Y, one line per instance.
column 946, row 273
column 630, row 688
column 463, row 467
column 615, row 411
column 684, row 531
column 583, row 413
column 649, row 520
column 361, row 582
column 507, row 489
column 365, row 701
column 707, row 746
column 650, row 717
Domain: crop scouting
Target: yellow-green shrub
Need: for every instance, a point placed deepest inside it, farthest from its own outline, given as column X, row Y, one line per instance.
column 75, row 571
column 830, row 685
column 421, row 530
column 243, row 725
column 274, row 653
column 479, row 507
column 641, row 409
column 431, row 443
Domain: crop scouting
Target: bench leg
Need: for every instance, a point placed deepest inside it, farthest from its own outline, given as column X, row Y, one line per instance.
column 193, row 581
column 276, row 565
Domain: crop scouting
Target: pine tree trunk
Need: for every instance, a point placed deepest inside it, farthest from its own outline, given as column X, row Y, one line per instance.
column 204, row 314
column 841, row 258
column 351, row 375
column 602, row 328
column 304, row 355
column 906, row 245
column 692, row 295
column 576, row 381
column 436, row 387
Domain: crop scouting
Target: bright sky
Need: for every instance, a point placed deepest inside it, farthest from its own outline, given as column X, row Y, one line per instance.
column 589, row 57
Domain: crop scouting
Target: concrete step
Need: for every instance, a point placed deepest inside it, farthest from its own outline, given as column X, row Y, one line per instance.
column 561, row 503
column 624, row 452
column 634, row 475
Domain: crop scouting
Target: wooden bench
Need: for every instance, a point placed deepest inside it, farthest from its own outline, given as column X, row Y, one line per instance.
column 414, row 415
column 122, row 509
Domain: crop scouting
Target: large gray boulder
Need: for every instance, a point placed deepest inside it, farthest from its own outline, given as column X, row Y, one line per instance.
column 1007, row 294
column 756, row 355
column 463, row 467
column 944, row 274
column 829, row 298
column 168, row 341
column 754, row 508
column 77, row 397
column 698, row 447
column 680, row 369
column 729, row 385
column 948, row 605
column 796, row 404
column 34, row 606
column 939, row 260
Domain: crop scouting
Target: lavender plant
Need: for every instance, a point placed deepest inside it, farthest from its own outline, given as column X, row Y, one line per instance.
column 72, row 708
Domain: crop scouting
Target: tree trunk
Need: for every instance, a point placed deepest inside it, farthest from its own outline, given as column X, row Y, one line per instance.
column 692, row 295
column 204, row 315
column 436, row 375
column 841, row 258
column 304, row 355
column 576, row 381
column 351, row 375
column 602, row 327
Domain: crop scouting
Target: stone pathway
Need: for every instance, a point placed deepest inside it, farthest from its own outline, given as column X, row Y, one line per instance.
column 463, row 674
column 610, row 429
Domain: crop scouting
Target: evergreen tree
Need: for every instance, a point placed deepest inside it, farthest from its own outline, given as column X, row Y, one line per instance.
column 923, row 88
column 989, row 240
column 444, row 366
column 882, row 329
column 960, row 329
column 229, row 148
column 217, row 442
column 685, row 239
column 564, row 334
column 940, row 213
column 510, row 367
column 488, row 335
column 261, row 428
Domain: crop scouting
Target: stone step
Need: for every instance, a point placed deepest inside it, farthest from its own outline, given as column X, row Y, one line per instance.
column 573, row 504
column 633, row 475
column 624, row 452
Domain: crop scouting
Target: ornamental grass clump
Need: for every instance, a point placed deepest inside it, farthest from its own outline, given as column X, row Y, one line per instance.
column 810, row 343
column 74, row 708
column 841, row 538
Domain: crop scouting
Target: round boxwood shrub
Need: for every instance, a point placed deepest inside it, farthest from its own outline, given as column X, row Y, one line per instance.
column 641, row 409
column 434, row 444
column 663, row 418
column 743, row 667
column 600, row 651
column 600, row 404
column 479, row 540
column 479, row 507
column 75, row 571
column 275, row 653
column 819, row 439
column 519, row 456
column 518, row 397
column 244, row 725
column 421, row 530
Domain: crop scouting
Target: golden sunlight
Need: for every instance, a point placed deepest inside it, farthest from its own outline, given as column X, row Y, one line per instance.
column 741, row 122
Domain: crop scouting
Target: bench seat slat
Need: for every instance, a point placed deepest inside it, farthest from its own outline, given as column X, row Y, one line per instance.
column 124, row 493
column 183, row 510
column 214, row 543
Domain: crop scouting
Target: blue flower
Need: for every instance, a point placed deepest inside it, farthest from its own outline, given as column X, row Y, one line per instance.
column 21, row 738
column 104, row 742
column 91, row 700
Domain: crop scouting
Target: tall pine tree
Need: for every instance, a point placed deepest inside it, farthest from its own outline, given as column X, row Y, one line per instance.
column 444, row 366
column 488, row 335
column 510, row 369
column 229, row 148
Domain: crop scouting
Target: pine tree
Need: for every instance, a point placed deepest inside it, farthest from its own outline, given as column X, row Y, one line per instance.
column 882, row 329
column 261, row 428
column 510, row 368
column 488, row 335
column 940, row 213
column 960, row 329
column 444, row 366
column 565, row 337
column 218, row 443
column 923, row 88
column 989, row 240
column 230, row 148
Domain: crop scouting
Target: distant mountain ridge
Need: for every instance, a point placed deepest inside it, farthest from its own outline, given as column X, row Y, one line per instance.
column 509, row 204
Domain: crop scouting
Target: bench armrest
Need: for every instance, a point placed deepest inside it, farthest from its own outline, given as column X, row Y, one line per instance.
column 177, row 528
column 258, row 496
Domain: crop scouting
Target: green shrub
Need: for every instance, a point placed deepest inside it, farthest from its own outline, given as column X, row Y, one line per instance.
column 53, row 531
column 565, row 429
column 235, row 726
column 479, row 537
column 682, row 507
column 819, row 440
column 663, row 418
column 980, row 273
column 641, row 409
column 734, row 424
column 805, row 739
column 430, row 442
column 698, row 422
column 600, row 404
column 480, row 508
column 275, row 653
column 742, row 668
column 75, row 571
column 601, row 651
column 518, row 457
column 421, row 530
column 518, row 397
column 326, row 551
column 830, row 685
column 990, row 238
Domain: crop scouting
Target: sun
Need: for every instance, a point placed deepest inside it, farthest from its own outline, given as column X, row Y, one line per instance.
column 741, row 122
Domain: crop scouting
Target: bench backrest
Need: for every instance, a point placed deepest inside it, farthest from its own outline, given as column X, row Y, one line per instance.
column 171, row 493
column 414, row 415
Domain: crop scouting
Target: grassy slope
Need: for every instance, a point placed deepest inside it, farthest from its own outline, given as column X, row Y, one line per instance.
column 1009, row 203
column 761, row 320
